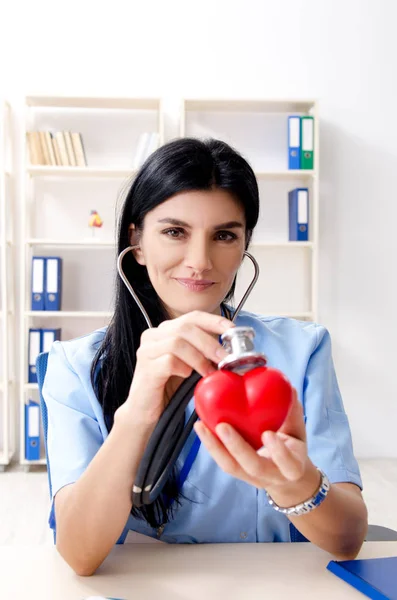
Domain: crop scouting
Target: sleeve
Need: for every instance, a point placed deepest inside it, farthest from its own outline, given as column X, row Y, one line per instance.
column 74, row 434
column 329, row 438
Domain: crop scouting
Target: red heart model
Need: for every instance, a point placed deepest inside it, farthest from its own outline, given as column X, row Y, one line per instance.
column 252, row 403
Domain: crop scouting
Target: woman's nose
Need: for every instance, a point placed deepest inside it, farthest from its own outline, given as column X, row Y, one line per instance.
column 198, row 256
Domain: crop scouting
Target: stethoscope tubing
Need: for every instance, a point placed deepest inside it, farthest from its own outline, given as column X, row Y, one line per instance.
column 170, row 434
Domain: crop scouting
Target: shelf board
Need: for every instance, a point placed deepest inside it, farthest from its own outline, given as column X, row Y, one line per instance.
column 74, row 243
column 93, row 103
column 84, row 172
column 41, row 461
column 241, row 105
column 66, row 314
column 286, row 174
column 31, row 386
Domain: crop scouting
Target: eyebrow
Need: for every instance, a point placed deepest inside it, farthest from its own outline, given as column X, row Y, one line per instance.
column 178, row 223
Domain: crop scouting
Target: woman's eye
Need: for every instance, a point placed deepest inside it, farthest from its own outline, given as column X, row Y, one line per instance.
column 173, row 233
column 226, row 236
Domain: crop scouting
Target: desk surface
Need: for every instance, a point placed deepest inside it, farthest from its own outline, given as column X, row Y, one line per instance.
column 181, row 572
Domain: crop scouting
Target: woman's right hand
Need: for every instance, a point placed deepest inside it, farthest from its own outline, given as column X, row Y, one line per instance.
column 170, row 353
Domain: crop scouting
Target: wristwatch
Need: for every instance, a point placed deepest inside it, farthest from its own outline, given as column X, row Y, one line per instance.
column 308, row 505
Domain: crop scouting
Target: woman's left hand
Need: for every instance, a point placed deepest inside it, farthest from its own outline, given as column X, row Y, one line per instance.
column 281, row 462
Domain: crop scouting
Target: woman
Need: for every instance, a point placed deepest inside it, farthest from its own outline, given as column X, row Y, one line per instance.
column 191, row 212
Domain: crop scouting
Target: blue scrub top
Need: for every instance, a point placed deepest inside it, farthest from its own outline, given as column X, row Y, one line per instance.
column 218, row 507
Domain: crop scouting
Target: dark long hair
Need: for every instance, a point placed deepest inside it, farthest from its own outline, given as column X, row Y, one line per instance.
column 181, row 165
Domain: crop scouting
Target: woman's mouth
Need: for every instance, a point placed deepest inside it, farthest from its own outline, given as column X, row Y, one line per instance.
column 195, row 285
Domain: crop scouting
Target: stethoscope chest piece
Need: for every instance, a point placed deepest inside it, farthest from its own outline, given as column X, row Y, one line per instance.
column 242, row 357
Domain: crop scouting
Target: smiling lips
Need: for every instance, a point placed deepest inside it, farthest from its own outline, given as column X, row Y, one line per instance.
column 196, row 285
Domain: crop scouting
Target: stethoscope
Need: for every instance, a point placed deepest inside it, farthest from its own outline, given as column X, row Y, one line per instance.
column 171, row 433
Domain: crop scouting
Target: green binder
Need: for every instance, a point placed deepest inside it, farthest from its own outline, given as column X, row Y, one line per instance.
column 307, row 142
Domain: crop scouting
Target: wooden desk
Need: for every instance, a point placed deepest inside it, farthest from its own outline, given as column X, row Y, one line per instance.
column 181, row 572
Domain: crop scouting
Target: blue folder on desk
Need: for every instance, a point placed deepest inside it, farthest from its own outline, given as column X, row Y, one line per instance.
column 374, row 577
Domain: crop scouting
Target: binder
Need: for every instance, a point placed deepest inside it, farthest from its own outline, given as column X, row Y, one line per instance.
column 142, row 149
column 307, row 142
column 298, row 211
column 32, row 431
column 53, row 281
column 33, row 352
column 374, row 577
column 294, row 142
column 38, row 282
column 48, row 337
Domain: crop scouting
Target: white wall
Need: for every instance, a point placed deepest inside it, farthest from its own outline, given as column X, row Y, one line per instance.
column 342, row 52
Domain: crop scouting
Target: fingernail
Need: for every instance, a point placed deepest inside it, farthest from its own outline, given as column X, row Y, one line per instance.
column 268, row 438
column 224, row 432
column 200, row 429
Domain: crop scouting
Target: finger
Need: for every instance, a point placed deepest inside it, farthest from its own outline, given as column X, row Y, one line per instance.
column 205, row 343
column 294, row 423
column 251, row 463
column 289, row 465
column 297, row 447
column 216, row 324
column 176, row 350
column 218, row 451
column 292, row 444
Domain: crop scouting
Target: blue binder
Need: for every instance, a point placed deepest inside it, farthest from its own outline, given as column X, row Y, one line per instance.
column 294, row 142
column 53, row 281
column 35, row 347
column 374, row 577
column 32, row 431
column 48, row 337
column 38, row 282
column 298, row 212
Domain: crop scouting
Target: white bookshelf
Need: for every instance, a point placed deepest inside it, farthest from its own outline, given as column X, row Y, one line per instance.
column 56, row 202
column 7, row 311
column 288, row 284
column 76, row 172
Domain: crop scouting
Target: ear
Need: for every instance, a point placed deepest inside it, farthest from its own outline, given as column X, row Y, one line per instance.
column 133, row 234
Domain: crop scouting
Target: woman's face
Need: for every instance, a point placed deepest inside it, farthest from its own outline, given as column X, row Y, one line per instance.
column 192, row 246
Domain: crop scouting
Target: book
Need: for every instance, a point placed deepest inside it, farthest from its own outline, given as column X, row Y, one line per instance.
column 153, row 144
column 60, row 140
column 374, row 577
column 298, row 215
column 294, row 142
column 69, row 148
column 142, row 149
column 77, row 142
column 57, row 153
column 307, row 143
column 44, row 148
column 50, row 149
column 33, row 144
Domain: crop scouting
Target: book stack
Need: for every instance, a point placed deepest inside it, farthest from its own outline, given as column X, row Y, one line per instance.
column 60, row 149
column 46, row 283
column 300, row 142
